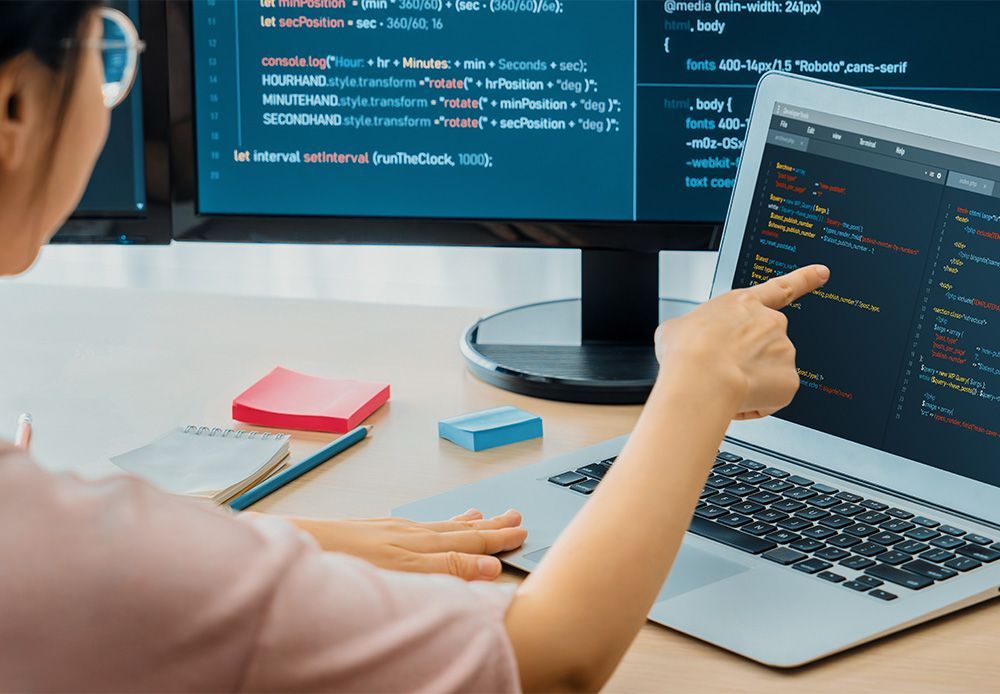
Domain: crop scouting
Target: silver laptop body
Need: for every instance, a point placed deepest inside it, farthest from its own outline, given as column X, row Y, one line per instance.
column 895, row 421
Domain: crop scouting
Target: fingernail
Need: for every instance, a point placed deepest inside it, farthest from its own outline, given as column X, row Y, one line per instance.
column 488, row 567
column 471, row 510
column 823, row 271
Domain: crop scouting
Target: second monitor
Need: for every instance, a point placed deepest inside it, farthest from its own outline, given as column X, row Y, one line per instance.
column 611, row 126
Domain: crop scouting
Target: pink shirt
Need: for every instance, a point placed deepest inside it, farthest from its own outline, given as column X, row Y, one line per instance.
column 114, row 585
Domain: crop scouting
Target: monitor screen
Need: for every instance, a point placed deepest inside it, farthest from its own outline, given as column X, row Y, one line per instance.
column 901, row 350
column 602, row 110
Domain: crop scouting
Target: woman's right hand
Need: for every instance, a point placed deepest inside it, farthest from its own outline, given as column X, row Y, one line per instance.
column 739, row 341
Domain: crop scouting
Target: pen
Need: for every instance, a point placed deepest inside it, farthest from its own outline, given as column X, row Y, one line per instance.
column 294, row 472
column 22, row 435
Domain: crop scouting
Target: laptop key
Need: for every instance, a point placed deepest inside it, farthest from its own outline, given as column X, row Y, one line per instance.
column 911, row 547
column 937, row 555
column 899, row 513
column 885, row 538
column 818, row 533
column 726, row 499
column 795, row 524
column 753, row 478
column 776, row 472
column 898, row 526
column 868, row 549
column 719, row 482
column 836, row 522
column 752, row 464
column 800, row 494
column 978, row 539
column 812, row 514
column 728, row 457
column 894, row 558
column 585, row 487
column 932, row 571
column 874, row 505
column 811, row 566
column 843, row 541
column 872, row 517
column 983, row 554
column 847, row 496
column 825, row 488
column 922, row 534
column 947, row 542
column 746, row 507
column 730, row 470
column 823, row 502
column 763, row 497
column 831, row 577
column 776, row 486
column 952, row 530
column 899, row 577
column 730, row 536
column 861, row 530
column 595, row 470
column 788, row 506
column 926, row 522
column 857, row 563
column 710, row 512
column 883, row 595
column 801, row 481
column 784, row 556
column 741, row 489
column 831, row 554
column 782, row 537
column 705, row 493
column 734, row 520
column 770, row 516
column 758, row 528
column 807, row 545
column 855, row 585
column 869, row 581
column 567, row 478
column 846, row 509
column 963, row 564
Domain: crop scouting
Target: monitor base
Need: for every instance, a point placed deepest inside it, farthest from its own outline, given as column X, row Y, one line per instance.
column 537, row 350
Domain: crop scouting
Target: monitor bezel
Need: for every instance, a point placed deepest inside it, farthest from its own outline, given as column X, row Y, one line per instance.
column 153, row 225
column 190, row 225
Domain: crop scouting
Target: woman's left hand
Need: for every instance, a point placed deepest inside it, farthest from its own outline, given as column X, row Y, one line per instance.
column 461, row 547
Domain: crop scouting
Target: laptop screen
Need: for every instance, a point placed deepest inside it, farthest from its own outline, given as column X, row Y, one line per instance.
column 901, row 350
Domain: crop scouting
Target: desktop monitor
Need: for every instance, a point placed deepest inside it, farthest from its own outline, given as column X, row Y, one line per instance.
column 127, row 200
column 611, row 126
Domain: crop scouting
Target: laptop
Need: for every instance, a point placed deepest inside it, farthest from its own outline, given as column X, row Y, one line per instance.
column 872, row 502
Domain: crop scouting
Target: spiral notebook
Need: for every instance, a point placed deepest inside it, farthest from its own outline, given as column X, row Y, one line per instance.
column 213, row 463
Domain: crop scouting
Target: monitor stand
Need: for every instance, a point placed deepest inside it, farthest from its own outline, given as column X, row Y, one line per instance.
column 595, row 349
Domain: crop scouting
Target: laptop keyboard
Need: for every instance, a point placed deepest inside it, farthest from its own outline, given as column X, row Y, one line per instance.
column 818, row 529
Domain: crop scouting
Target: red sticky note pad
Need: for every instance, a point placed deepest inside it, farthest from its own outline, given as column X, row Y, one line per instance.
column 286, row 399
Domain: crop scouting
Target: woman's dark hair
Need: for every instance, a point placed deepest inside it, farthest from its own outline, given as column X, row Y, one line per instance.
column 46, row 29
column 41, row 27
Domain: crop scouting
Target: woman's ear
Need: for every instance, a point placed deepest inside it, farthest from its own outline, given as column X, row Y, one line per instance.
column 17, row 108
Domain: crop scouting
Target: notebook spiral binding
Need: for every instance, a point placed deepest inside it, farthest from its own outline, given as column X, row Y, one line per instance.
column 232, row 433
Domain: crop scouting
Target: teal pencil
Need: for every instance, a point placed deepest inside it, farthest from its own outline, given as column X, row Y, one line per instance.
column 324, row 454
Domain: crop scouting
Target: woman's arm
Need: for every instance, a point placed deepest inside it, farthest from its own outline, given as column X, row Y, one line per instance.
column 574, row 617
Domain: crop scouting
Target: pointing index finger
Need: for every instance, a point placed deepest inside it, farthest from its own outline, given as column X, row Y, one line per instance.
column 779, row 292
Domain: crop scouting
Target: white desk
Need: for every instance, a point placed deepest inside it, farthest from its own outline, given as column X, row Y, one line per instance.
column 106, row 370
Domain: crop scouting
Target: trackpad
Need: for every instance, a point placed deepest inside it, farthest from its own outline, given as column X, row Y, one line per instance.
column 695, row 569
column 692, row 569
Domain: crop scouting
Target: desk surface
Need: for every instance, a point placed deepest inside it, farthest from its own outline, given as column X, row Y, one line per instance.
column 107, row 370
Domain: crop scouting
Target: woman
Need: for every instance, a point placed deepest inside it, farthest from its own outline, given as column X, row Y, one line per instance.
column 115, row 585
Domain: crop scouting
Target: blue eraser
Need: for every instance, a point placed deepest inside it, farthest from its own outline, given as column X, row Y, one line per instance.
column 491, row 428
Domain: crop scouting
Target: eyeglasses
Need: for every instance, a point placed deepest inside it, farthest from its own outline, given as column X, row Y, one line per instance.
column 120, row 47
